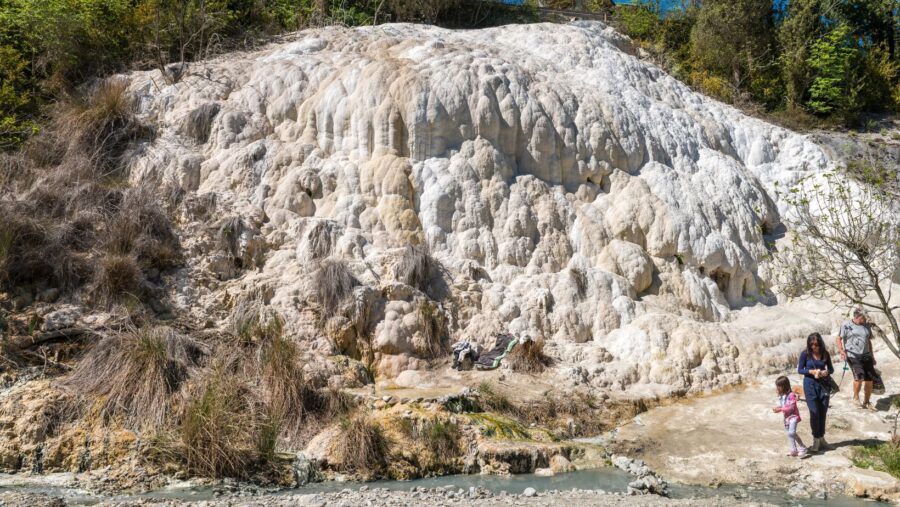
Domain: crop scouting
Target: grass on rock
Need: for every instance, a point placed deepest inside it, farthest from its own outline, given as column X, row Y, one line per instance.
column 332, row 283
column 884, row 457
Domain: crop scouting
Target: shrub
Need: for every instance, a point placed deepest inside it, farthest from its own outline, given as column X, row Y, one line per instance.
column 134, row 375
column 362, row 448
column 528, row 357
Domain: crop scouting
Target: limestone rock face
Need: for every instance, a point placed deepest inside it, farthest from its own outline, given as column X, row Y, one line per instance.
column 570, row 191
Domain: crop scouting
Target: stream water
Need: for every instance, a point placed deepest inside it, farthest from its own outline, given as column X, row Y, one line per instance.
column 608, row 479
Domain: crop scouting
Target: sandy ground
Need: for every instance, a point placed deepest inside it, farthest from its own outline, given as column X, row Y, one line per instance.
column 733, row 437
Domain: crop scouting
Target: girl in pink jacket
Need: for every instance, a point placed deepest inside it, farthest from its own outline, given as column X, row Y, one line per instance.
column 787, row 405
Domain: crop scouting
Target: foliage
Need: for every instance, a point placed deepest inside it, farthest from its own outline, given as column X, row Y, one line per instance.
column 735, row 40
column 829, row 60
column 845, row 242
column 801, row 27
column 638, row 21
column 833, row 59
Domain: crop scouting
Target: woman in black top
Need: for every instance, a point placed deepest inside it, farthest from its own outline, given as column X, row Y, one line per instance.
column 815, row 365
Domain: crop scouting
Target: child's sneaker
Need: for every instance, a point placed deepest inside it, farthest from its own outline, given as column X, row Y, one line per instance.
column 802, row 454
column 792, row 454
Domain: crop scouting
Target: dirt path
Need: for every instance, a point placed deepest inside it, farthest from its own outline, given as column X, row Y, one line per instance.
column 734, row 437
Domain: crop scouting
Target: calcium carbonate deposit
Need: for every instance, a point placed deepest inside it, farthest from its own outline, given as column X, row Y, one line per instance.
column 571, row 191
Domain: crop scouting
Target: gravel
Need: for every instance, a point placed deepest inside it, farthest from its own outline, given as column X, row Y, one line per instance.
column 438, row 497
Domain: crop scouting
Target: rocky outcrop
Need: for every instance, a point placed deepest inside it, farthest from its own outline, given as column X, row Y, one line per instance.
column 567, row 190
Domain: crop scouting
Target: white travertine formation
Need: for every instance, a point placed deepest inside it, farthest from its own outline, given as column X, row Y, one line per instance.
column 572, row 191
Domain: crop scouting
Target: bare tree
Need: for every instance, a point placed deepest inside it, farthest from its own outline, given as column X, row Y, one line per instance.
column 843, row 245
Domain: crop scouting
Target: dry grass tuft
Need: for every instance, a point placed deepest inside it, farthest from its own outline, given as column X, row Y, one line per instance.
column 579, row 279
column 224, row 429
column 528, row 357
column 363, row 448
column 101, row 127
column 290, row 397
column 115, row 277
column 416, row 267
column 134, row 375
column 432, row 323
column 333, row 283
column 320, row 239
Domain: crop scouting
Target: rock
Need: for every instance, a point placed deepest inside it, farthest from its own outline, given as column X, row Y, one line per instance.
column 559, row 464
column 544, row 472
column 529, row 492
column 798, row 490
column 62, row 318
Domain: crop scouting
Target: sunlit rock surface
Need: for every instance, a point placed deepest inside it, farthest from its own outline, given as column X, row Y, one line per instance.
column 572, row 192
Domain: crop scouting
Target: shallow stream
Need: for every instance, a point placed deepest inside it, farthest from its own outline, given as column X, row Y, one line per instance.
column 608, row 479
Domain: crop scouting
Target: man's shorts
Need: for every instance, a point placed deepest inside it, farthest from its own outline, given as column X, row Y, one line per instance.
column 863, row 368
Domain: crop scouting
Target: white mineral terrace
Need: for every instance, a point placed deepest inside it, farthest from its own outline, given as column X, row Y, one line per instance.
column 574, row 193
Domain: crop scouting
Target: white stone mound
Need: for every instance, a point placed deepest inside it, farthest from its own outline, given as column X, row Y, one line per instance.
column 571, row 191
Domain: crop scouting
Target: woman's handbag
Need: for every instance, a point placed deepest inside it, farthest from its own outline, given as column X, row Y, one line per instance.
column 830, row 385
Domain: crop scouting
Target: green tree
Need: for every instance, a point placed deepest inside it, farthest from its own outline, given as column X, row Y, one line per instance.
column 830, row 61
column 734, row 40
column 801, row 27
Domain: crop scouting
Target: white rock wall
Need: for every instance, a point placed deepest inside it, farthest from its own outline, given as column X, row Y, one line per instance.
column 573, row 191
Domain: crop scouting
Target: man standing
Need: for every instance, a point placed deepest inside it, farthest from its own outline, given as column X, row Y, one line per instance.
column 854, row 342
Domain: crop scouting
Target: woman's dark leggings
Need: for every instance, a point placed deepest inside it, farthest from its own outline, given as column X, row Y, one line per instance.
column 817, row 401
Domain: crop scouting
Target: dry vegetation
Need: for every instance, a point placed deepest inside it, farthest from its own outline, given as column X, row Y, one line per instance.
column 224, row 428
column 528, row 357
column 333, row 282
column 70, row 220
column 575, row 414
column 135, row 375
column 363, row 448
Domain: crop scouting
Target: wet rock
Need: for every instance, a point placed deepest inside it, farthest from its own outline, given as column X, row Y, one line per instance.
column 529, row 492
column 559, row 464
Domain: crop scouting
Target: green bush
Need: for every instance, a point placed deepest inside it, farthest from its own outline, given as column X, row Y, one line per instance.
column 830, row 60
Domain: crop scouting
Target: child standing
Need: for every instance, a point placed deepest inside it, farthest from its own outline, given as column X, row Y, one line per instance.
column 787, row 405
